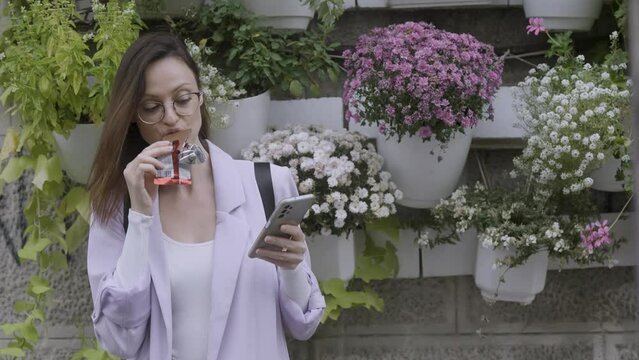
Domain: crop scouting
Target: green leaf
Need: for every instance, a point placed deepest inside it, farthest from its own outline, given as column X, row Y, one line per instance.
column 76, row 235
column 13, row 351
column 10, row 144
column 14, row 169
column 77, row 200
column 338, row 297
column 33, row 247
column 10, row 328
column 30, row 332
column 388, row 225
column 45, row 86
column 296, row 88
column 39, row 285
column 58, row 260
column 47, row 170
column 377, row 262
column 38, row 314
column 23, row 306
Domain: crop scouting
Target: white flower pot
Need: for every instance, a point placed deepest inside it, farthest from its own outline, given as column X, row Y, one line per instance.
column 280, row 14
column 332, row 256
column 521, row 284
column 248, row 122
column 154, row 9
column 77, row 152
column 420, row 175
column 372, row 3
column 563, row 15
column 604, row 177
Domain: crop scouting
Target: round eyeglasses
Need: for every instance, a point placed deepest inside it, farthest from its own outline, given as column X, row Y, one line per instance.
column 152, row 112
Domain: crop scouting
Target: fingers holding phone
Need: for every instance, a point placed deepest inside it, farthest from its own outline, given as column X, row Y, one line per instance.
column 291, row 250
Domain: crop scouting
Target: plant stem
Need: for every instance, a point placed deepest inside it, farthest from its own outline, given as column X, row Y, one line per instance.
column 480, row 164
column 621, row 212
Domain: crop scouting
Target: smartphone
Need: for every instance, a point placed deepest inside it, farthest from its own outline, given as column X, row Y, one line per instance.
column 289, row 211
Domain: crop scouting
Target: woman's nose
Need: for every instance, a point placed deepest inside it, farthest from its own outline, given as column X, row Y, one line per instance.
column 170, row 116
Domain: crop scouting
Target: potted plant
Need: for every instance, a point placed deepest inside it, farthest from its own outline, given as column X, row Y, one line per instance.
column 424, row 89
column 344, row 173
column 257, row 59
column 576, row 115
column 293, row 15
column 518, row 229
column 50, row 80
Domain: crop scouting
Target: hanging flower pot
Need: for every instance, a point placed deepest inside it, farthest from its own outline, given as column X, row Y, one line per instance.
column 518, row 284
column 564, row 15
column 77, row 151
column 280, row 14
column 332, row 256
column 248, row 119
column 415, row 82
column 423, row 171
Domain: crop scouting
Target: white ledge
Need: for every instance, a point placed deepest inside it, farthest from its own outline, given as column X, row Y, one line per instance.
column 502, row 132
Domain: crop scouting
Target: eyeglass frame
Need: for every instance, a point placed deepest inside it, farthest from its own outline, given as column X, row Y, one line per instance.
column 200, row 99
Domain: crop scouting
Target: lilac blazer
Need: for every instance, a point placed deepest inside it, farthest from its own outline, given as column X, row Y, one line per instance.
column 250, row 311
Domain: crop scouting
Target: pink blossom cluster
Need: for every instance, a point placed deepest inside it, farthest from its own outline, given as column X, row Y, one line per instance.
column 595, row 235
column 413, row 78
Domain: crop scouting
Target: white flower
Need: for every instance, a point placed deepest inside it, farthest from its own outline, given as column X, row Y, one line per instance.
column 341, row 214
column 588, row 182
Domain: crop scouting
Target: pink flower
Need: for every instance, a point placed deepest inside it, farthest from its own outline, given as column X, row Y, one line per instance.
column 595, row 235
column 425, row 132
column 535, row 25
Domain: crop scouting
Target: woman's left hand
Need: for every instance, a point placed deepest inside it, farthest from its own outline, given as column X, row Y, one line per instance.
column 292, row 250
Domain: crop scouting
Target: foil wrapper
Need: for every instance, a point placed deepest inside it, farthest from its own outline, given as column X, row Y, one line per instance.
column 177, row 170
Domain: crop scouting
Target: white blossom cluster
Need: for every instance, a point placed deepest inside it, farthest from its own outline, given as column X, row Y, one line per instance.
column 457, row 207
column 341, row 168
column 575, row 118
column 216, row 88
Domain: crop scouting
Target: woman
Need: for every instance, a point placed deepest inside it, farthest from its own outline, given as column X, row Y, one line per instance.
column 177, row 282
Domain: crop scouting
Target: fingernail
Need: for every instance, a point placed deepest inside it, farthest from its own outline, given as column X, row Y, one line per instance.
column 268, row 239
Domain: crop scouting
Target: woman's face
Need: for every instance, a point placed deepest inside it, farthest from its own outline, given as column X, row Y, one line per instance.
column 170, row 86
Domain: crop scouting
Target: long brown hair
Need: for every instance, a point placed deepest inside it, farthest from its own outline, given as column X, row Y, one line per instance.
column 121, row 140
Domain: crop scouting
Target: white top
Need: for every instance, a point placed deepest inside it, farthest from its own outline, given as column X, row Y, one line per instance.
column 133, row 267
column 190, row 273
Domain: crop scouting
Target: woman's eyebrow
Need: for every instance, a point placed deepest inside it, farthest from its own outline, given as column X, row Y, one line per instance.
column 180, row 87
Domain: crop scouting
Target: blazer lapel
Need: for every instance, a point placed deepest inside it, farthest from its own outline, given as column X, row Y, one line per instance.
column 159, row 272
column 231, row 243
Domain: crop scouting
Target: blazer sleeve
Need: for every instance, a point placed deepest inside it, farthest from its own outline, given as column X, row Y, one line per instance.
column 120, row 314
column 300, row 322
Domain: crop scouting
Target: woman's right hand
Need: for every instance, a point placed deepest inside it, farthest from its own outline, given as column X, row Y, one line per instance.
column 139, row 175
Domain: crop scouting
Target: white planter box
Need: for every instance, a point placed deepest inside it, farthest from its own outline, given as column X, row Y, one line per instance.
column 444, row 3
column 77, row 152
column 248, row 122
column 372, row 3
column 332, row 256
column 520, row 284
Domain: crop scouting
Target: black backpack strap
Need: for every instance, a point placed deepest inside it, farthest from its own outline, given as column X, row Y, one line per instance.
column 265, row 185
column 125, row 212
